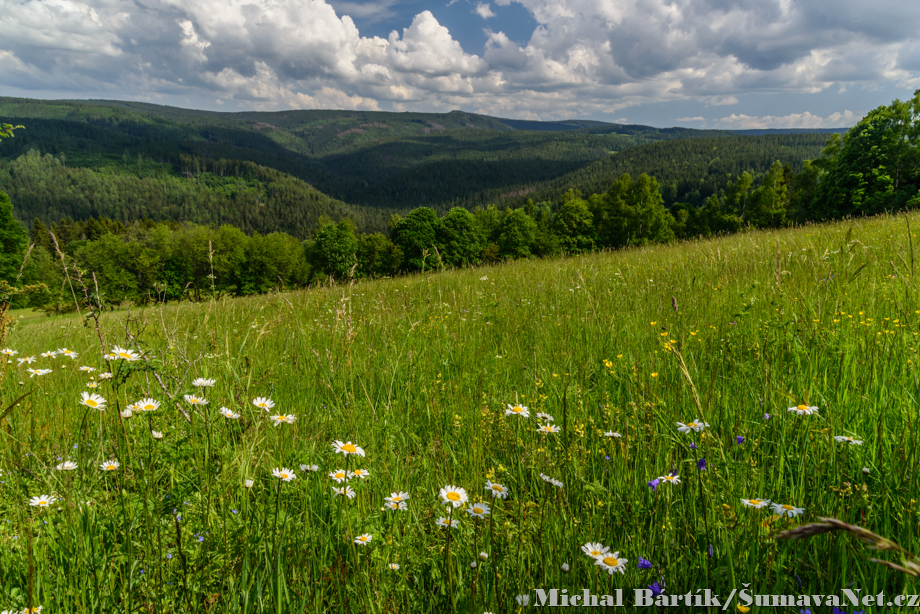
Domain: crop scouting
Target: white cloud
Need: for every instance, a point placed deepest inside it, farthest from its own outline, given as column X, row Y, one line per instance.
column 483, row 10
column 794, row 120
column 691, row 119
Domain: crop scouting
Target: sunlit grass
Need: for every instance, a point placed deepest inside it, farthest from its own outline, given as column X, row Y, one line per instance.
column 419, row 373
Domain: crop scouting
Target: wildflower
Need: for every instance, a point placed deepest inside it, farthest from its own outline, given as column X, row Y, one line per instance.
column 849, row 440
column 612, row 563
column 397, row 497
column 363, row 540
column 484, row 556
column 595, row 549
column 42, row 500
column 743, row 608
column 125, row 354
column 127, row 413
column 656, row 589
column 544, row 416
column 473, row 565
column 68, row 353
column 203, row 383
column 564, row 567
column 517, row 410
column 106, row 375
column 346, row 491
column 49, row 354
column 739, row 439
column 866, row 470
column 39, row 372
column 758, row 503
column 92, row 400
column 786, row 510
column 644, row 564
column 147, row 405
column 339, row 475
column 670, row 479
column 110, row 465
column 693, row 446
column 701, row 464
column 766, row 417
column 550, row 480
column 283, row 474
column 87, row 369
column 226, row 413
column 347, row 448
column 394, row 566
column 359, row 473
column 395, row 507
column 612, row 434
column 263, row 403
column 191, row 399
column 110, row 356
column 549, row 428
column 92, row 385
column 497, row 490
column 803, row 410
column 283, row 419
column 313, row 468
column 27, row 360
column 156, row 434
column 478, row 510
column 523, row 600
column 248, row 483
column 8, row 352
column 452, row 495
column 696, row 425
column 66, row 466
column 653, row 484
column 448, row 522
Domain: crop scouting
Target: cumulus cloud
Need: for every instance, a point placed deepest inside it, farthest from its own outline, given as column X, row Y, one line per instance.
column 794, row 120
column 584, row 57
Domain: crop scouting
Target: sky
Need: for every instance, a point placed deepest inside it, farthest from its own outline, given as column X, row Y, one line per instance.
column 697, row 63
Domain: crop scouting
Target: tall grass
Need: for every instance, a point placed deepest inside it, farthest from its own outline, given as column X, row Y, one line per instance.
column 419, row 371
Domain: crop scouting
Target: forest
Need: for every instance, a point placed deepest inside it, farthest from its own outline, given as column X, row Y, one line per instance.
column 157, row 222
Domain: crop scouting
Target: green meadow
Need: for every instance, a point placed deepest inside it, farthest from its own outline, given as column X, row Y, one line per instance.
column 421, row 373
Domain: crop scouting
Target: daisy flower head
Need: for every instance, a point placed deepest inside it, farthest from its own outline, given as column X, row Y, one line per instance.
column 202, row 382
column 484, row 556
column 283, row 473
column 523, row 600
column 478, row 510
column 191, row 399
column 804, row 410
column 68, row 353
column 670, row 479
column 786, row 510
column 263, row 403
column 156, row 434
column 695, row 426
column 66, row 466
column 110, row 465
column 48, row 354
column 611, row 563
column 345, row 491
column 363, row 540
column 226, row 413
column 8, row 352
column 359, row 473
column 125, row 354
column 612, row 434
column 25, row 360
column 545, row 417
column 127, row 413
column 282, row 419
column 105, row 375
column 451, row 523
column 347, row 448
column 394, row 566
column 86, row 369
column 595, row 549
column 453, row 495
column 517, row 410
column 395, row 507
column 549, row 480
column 38, row 372
column 248, row 483
column 549, row 428
column 849, row 440
column 92, row 400
column 397, row 497
column 110, row 356
column 339, row 475
column 498, row 490
column 147, row 405
column 42, row 500
column 758, row 503
column 313, row 468
column 92, row 385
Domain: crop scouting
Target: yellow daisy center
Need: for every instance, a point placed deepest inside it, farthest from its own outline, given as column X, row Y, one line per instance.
column 148, row 407
column 477, row 510
column 612, row 561
column 516, row 410
column 362, row 538
column 788, row 507
column 596, row 553
column 755, row 501
column 801, row 407
column 453, row 496
column 350, row 448
column 340, row 475
column 691, row 424
column 110, row 467
column 91, row 402
column 397, row 499
column 283, row 475
column 497, row 488
column 43, row 503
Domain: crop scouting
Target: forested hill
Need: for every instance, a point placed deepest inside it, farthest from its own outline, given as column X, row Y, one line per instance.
column 355, row 164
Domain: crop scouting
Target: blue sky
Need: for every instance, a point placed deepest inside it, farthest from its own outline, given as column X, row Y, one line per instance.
column 696, row 63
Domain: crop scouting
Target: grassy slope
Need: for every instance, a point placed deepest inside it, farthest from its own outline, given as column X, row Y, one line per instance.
column 419, row 370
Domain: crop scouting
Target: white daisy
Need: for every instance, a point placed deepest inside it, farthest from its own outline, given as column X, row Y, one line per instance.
column 347, row 448
column 66, row 466
column 670, row 479
column 595, row 549
column 110, row 465
column 549, row 428
column 478, row 510
column 49, row 354
column 313, row 468
column 612, row 563
column 339, row 475
column 517, row 410
column 453, row 523
column 363, row 540
column 453, row 495
column 612, row 434
column 786, row 510
column 758, row 503
column 545, row 417
column 86, row 369
column 550, row 480
column 395, row 507
column 345, row 491
column 696, row 426
column 397, row 497
column 263, row 403
column 359, row 473
column 127, row 413
column 394, row 566
column 42, row 500
column 105, row 375
column 92, row 385
column 226, row 413
column 497, row 490
column 849, row 440
column 92, row 400
column 283, row 473
column 203, row 383
column 26, row 360
column 156, row 434
column 147, row 405
column 68, row 353
column 191, row 399
column 38, row 372
column 803, row 410
column 282, row 419
column 125, row 354
column 8, row 352
column 248, row 483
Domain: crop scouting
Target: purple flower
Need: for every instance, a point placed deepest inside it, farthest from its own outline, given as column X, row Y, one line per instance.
column 201, row 538
column 656, row 589
column 709, row 550
column 234, row 511
column 739, row 439
column 168, row 556
column 654, row 484
column 693, row 446
column 701, row 464
column 766, row 416
column 644, row 564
